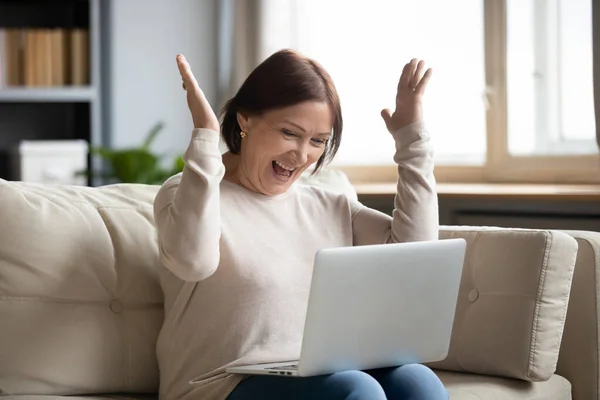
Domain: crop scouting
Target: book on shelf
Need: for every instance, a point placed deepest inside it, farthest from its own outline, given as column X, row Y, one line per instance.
column 34, row 57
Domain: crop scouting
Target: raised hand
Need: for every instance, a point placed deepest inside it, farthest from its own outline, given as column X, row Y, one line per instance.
column 409, row 96
column 203, row 115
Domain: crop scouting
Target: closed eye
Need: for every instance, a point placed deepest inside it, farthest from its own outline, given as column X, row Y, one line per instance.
column 288, row 133
column 316, row 141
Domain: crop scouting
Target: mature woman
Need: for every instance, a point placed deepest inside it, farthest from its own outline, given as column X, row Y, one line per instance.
column 238, row 238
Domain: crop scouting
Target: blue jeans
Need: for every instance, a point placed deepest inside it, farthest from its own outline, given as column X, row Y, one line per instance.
column 408, row 382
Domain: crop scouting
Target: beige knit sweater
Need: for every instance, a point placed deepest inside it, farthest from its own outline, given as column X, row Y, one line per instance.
column 238, row 264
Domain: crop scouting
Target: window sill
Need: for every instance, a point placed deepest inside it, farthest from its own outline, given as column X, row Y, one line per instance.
column 495, row 191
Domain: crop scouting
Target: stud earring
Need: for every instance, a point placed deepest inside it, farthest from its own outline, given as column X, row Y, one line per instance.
column 242, row 134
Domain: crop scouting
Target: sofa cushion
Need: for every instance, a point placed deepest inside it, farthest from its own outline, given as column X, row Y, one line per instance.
column 512, row 302
column 80, row 299
column 463, row 386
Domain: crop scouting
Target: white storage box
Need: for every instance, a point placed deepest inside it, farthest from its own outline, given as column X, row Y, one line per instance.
column 52, row 161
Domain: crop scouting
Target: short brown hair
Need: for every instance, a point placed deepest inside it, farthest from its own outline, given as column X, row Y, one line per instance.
column 284, row 79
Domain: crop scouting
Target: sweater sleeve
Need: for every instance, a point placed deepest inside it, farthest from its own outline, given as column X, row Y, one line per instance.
column 187, row 211
column 415, row 215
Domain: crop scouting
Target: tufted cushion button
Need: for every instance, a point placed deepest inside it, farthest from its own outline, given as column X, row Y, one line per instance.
column 116, row 306
column 473, row 295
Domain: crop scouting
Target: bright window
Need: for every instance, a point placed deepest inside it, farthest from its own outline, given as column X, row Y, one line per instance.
column 549, row 74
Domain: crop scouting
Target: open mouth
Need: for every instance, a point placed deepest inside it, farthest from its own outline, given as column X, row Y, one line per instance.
column 282, row 170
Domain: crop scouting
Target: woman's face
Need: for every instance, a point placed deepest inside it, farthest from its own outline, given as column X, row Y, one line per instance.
column 280, row 144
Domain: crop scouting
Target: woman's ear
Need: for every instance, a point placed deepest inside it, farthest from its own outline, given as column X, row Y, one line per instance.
column 242, row 121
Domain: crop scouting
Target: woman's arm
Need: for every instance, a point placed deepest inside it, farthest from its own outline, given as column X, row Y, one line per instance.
column 415, row 215
column 187, row 211
column 187, row 206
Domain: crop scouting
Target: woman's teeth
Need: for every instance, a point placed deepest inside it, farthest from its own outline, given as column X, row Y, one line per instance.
column 285, row 166
column 282, row 170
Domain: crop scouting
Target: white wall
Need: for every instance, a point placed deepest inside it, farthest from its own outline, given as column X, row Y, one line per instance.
column 146, row 35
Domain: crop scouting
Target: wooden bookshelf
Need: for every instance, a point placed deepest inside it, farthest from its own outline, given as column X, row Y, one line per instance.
column 57, row 92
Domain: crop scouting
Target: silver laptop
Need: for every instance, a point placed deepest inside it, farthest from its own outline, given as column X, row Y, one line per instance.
column 376, row 306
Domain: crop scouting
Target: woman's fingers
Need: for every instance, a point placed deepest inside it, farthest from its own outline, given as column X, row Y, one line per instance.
column 189, row 82
column 186, row 71
column 416, row 78
column 412, row 67
column 404, row 77
column 202, row 114
column 408, row 79
column 420, row 89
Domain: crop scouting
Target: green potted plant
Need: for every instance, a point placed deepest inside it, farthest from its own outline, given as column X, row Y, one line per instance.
column 136, row 165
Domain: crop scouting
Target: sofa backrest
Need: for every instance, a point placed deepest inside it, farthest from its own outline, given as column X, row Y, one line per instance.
column 80, row 299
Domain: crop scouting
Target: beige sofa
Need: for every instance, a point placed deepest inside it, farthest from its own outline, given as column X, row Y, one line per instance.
column 81, row 303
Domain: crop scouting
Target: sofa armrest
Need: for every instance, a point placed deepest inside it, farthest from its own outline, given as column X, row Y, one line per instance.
column 579, row 352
